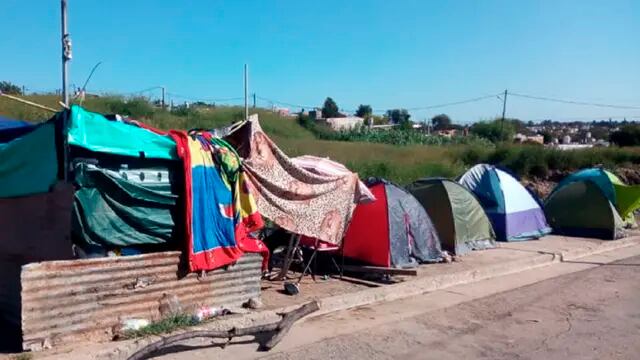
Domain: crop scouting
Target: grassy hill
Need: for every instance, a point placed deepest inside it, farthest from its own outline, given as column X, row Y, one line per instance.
column 398, row 163
column 402, row 164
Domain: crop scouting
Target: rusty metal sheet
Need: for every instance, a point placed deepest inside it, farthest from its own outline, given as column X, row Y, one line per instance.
column 84, row 299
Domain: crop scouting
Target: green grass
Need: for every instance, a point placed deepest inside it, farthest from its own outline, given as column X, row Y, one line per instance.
column 23, row 356
column 399, row 163
column 163, row 326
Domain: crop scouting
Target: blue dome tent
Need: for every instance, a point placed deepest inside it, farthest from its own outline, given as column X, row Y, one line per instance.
column 513, row 211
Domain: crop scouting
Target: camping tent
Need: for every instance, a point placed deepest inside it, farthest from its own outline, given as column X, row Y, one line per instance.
column 592, row 202
column 625, row 198
column 581, row 208
column 394, row 230
column 514, row 212
column 457, row 215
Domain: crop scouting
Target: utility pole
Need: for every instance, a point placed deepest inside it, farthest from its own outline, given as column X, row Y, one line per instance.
column 246, row 92
column 504, row 110
column 66, row 52
column 163, row 103
column 254, row 100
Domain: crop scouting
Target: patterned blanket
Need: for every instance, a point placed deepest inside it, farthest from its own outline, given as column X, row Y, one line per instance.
column 220, row 211
column 300, row 201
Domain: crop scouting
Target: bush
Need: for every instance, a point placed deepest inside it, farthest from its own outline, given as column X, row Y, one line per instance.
column 495, row 131
column 534, row 161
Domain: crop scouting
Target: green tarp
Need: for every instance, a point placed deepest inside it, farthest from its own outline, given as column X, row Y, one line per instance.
column 94, row 132
column 111, row 211
column 29, row 164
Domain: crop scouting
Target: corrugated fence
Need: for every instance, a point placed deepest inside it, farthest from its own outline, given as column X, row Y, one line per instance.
column 85, row 299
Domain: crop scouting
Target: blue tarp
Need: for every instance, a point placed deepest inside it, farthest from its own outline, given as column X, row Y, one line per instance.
column 11, row 128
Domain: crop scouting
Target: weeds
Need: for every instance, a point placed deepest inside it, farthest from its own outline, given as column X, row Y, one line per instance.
column 163, row 326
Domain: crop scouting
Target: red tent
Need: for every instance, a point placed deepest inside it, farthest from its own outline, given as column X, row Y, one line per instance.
column 393, row 231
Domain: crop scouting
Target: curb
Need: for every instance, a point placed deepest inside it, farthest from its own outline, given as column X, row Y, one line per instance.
column 369, row 296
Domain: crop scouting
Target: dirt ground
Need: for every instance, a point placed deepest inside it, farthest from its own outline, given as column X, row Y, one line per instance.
column 592, row 314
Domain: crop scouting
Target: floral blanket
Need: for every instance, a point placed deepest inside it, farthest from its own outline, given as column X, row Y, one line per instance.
column 298, row 200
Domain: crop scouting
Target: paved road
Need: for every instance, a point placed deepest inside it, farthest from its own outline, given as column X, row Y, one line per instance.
column 590, row 314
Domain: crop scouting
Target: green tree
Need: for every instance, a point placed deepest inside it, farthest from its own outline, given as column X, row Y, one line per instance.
column 628, row 135
column 495, row 131
column 441, row 122
column 330, row 109
column 364, row 111
column 7, row 87
column 399, row 117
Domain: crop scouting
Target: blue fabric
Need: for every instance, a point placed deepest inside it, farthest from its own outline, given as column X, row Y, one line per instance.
column 212, row 199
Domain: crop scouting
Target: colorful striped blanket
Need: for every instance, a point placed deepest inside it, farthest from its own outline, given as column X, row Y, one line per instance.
column 220, row 211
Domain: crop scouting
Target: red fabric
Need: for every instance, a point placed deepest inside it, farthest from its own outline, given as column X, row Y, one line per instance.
column 367, row 237
column 253, row 245
column 182, row 149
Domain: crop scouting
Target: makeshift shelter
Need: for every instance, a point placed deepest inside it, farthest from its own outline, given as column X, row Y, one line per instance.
column 298, row 200
column 514, row 212
column 592, row 202
column 117, row 187
column 457, row 215
column 393, row 231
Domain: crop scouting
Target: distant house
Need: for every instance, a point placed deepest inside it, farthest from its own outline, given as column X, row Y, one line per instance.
column 344, row 123
column 282, row 111
column 447, row 132
column 522, row 138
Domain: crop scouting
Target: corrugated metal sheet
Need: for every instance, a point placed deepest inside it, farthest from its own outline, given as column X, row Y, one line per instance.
column 85, row 299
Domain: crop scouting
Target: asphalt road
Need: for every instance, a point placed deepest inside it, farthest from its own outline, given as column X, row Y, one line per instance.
column 587, row 309
column 591, row 314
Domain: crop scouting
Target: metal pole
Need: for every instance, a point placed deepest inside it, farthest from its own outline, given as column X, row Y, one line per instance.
column 163, row 98
column 66, row 52
column 504, row 110
column 246, row 92
column 254, row 100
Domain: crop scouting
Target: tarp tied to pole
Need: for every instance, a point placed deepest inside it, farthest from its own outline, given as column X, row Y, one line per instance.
column 298, row 200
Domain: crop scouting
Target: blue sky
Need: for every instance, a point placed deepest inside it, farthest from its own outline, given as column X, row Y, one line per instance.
column 384, row 53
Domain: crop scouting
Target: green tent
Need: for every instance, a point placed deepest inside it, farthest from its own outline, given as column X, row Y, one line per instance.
column 625, row 198
column 458, row 217
column 600, row 204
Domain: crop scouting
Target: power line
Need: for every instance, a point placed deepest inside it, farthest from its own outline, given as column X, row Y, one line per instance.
column 384, row 110
column 453, row 103
column 575, row 102
column 203, row 99
column 285, row 103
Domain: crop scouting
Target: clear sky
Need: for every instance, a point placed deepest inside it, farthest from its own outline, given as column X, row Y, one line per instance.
column 385, row 53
